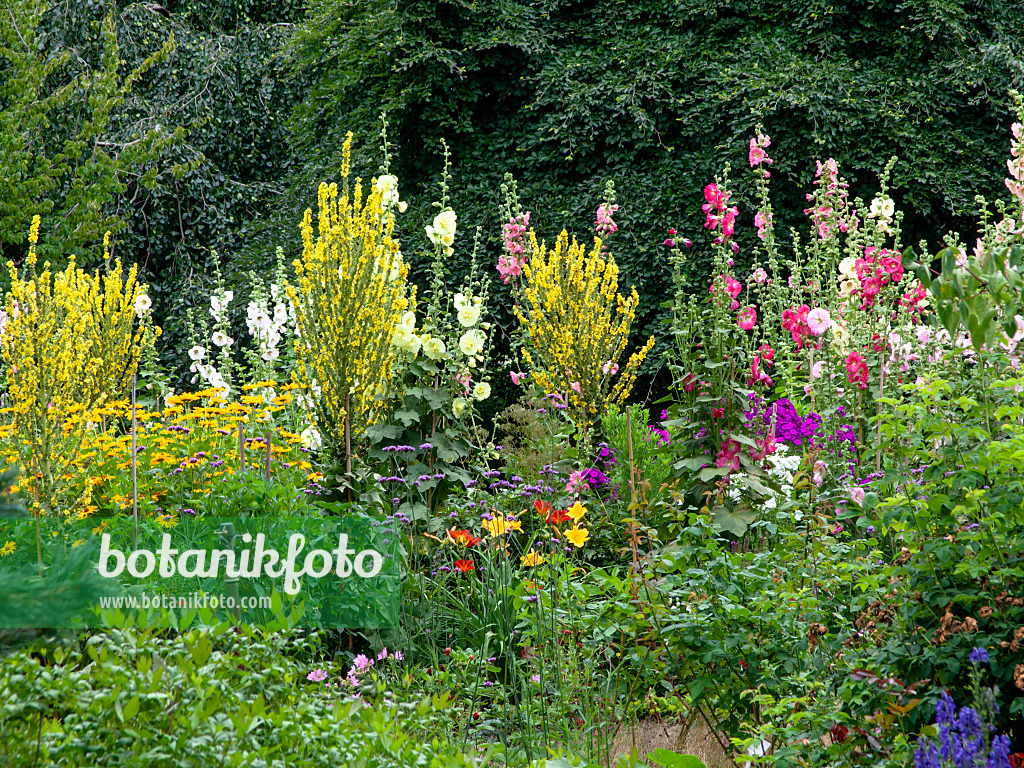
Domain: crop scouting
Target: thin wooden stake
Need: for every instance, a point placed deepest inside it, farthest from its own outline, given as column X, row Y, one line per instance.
column 629, row 444
column 241, row 446
column 878, row 412
column 348, row 445
column 135, row 464
column 269, row 443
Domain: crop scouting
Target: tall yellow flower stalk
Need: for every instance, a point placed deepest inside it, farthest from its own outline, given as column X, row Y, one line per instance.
column 350, row 295
column 577, row 325
column 71, row 340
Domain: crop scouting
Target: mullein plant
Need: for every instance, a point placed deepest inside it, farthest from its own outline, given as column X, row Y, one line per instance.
column 71, row 341
column 349, row 296
column 575, row 324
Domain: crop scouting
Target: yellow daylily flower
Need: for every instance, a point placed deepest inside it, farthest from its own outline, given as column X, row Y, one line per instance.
column 576, row 511
column 531, row 558
column 578, row 536
column 498, row 526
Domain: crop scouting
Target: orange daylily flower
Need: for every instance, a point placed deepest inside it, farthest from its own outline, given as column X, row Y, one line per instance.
column 464, row 566
column 465, row 538
column 558, row 517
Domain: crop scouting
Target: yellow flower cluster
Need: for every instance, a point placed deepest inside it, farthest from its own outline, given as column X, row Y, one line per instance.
column 70, row 341
column 184, row 452
column 578, row 324
column 350, row 295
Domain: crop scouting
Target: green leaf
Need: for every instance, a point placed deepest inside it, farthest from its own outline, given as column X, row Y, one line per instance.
column 735, row 521
column 669, row 759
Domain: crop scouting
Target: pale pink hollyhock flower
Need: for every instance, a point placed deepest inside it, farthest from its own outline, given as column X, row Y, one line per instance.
column 819, row 320
column 924, row 335
column 857, row 495
column 747, row 318
column 760, row 275
column 517, row 378
column 816, row 370
column 610, row 368
column 808, row 389
column 575, row 387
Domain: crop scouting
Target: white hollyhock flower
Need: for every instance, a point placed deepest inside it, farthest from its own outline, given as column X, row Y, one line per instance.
column 482, row 391
column 143, row 304
column 468, row 316
column 434, row 348
column 221, row 339
column 461, row 302
column 310, row 437
column 472, row 342
column 197, row 352
column 219, row 304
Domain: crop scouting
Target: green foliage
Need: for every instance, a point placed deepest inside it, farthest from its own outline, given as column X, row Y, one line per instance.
column 658, row 96
column 222, row 696
column 65, row 156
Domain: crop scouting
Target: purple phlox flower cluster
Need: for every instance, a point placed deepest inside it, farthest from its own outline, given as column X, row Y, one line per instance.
column 662, row 434
column 596, row 478
column 606, row 455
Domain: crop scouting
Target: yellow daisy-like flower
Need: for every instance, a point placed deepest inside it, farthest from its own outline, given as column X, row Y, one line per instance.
column 499, row 526
column 578, row 536
column 576, row 511
column 531, row 559
column 7, row 548
column 167, row 520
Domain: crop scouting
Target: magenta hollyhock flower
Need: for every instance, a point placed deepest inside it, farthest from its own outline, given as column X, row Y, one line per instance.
column 857, row 370
column 517, row 378
column 747, row 318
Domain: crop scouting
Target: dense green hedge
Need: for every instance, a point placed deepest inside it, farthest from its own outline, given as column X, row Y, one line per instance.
column 654, row 95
